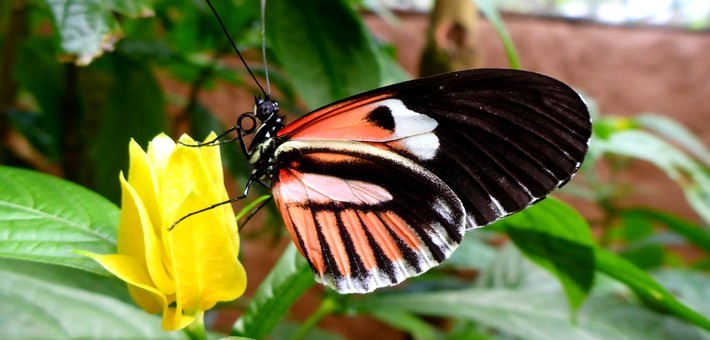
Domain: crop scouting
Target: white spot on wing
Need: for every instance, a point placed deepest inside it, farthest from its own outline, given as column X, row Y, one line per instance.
column 407, row 122
column 422, row 146
column 413, row 130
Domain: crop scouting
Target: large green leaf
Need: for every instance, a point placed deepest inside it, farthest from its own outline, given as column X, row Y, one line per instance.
column 535, row 314
column 556, row 237
column 43, row 219
column 287, row 281
column 88, row 27
column 69, row 277
column 324, row 48
column 37, row 307
column 534, row 307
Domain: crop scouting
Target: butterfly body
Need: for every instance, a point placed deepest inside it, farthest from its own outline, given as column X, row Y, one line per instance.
column 382, row 186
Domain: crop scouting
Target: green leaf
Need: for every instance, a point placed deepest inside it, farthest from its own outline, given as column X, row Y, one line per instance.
column 84, row 27
column 87, row 28
column 634, row 227
column 324, row 48
column 681, row 168
column 556, row 237
column 134, row 109
column 287, row 281
column 645, row 287
column 36, row 308
column 645, row 256
column 44, row 219
column 534, row 314
column 69, row 277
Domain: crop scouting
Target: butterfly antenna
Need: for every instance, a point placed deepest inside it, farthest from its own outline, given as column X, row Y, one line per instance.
column 263, row 45
column 234, row 46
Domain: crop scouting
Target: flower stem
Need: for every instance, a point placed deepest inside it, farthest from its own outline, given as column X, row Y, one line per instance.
column 327, row 307
column 196, row 330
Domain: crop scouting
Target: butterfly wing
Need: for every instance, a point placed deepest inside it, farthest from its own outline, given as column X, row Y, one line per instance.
column 381, row 186
column 365, row 217
column 501, row 139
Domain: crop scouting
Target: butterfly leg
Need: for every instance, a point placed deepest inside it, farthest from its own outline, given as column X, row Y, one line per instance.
column 231, row 200
column 253, row 212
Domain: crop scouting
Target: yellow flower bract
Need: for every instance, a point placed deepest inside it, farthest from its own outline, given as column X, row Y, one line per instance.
column 186, row 271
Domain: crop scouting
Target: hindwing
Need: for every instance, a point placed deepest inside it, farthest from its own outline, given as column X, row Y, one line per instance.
column 365, row 217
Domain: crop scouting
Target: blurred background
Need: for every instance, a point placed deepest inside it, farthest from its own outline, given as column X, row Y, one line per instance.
column 78, row 80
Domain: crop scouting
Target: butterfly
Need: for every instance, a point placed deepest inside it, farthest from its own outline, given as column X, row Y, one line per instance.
column 383, row 185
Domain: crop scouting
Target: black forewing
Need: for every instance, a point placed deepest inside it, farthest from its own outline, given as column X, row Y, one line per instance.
column 506, row 137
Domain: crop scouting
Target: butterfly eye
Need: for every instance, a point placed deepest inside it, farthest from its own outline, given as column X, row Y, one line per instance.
column 266, row 109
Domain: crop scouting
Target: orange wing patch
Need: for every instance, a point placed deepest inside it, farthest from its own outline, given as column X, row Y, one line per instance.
column 380, row 119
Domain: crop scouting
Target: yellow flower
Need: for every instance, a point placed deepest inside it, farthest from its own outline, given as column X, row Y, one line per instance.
column 186, row 271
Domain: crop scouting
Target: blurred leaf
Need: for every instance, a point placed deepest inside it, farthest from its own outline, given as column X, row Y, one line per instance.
column 635, row 227
column 45, row 218
column 87, row 27
column 682, row 169
column 535, row 314
column 35, row 308
column 689, row 286
column 287, row 281
column 327, row 56
column 487, row 7
column 408, row 322
column 645, row 287
column 693, row 233
column 675, row 132
column 37, row 70
column 472, row 253
column 134, row 110
column 286, row 330
column 646, row 256
column 556, row 237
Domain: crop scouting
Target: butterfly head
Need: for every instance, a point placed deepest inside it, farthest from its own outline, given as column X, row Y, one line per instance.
column 265, row 108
